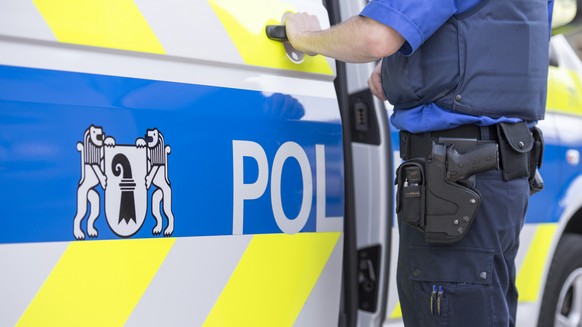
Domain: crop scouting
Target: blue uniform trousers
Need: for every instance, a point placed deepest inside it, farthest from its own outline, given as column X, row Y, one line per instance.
column 470, row 283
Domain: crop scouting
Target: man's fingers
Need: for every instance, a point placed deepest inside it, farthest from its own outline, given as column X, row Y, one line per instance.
column 375, row 82
column 297, row 25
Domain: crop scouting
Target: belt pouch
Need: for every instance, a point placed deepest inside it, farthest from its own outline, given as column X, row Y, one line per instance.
column 410, row 198
column 515, row 144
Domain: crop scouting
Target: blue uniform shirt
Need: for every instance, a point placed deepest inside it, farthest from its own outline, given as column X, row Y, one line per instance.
column 416, row 21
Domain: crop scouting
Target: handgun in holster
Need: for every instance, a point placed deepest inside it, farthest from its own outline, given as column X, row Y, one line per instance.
column 435, row 194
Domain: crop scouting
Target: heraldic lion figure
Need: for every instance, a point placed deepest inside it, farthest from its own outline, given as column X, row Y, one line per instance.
column 157, row 174
column 92, row 175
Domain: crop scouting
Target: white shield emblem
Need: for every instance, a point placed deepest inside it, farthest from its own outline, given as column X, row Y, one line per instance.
column 126, row 193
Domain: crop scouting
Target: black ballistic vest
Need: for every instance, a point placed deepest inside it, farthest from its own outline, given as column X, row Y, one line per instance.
column 491, row 61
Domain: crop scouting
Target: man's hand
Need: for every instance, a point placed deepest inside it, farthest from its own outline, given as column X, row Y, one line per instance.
column 375, row 82
column 297, row 26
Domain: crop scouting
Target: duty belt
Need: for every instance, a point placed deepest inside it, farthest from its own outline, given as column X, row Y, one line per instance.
column 420, row 145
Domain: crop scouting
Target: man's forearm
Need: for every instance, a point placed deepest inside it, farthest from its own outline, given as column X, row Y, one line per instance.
column 358, row 39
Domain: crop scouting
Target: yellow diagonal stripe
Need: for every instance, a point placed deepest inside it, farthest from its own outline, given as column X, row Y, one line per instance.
column 116, row 24
column 96, row 283
column 272, row 280
column 529, row 279
column 245, row 23
column 397, row 313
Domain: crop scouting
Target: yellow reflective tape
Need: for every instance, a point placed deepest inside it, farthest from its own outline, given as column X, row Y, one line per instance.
column 116, row 24
column 273, row 280
column 96, row 283
column 245, row 23
column 397, row 313
column 564, row 91
column 529, row 278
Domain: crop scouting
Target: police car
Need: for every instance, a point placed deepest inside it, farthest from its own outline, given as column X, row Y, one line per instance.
column 167, row 163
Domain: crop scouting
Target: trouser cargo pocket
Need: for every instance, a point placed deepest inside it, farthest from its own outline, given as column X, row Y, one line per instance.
column 452, row 285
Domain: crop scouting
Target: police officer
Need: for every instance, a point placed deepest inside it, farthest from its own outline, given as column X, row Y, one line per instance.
column 460, row 69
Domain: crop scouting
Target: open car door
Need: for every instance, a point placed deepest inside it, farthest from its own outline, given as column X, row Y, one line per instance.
column 369, row 175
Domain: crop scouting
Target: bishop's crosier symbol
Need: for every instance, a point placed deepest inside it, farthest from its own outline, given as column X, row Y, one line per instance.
column 125, row 173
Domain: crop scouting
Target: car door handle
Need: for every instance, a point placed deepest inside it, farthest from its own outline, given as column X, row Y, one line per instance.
column 277, row 33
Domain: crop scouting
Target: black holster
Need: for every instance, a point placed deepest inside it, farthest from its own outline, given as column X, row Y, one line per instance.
column 428, row 200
